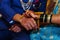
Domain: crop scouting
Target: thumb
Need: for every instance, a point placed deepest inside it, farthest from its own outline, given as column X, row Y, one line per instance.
column 34, row 16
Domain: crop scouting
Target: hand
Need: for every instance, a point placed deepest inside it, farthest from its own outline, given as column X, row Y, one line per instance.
column 30, row 13
column 28, row 23
column 15, row 28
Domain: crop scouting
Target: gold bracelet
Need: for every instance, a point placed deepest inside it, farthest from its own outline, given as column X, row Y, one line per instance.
column 43, row 18
column 48, row 18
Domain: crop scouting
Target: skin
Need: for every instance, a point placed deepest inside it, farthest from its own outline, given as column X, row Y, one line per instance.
column 27, row 23
column 55, row 18
column 15, row 28
column 30, row 13
column 30, row 23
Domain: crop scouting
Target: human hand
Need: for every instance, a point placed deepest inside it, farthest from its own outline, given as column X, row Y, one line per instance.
column 28, row 23
column 15, row 28
column 32, row 14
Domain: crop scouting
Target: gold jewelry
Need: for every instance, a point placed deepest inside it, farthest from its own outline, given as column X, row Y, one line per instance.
column 43, row 18
column 48, row 18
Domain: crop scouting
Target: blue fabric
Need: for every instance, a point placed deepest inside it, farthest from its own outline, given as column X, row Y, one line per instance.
column 4, row 35
column 8, row 35
column 48, row 32
column 9, row 8
column 20, row 36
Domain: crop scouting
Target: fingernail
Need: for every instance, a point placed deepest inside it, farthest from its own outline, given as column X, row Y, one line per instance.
column 9, row 29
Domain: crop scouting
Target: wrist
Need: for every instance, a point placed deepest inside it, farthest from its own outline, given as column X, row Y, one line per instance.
column 53, row 20
column 38, row 17
column 17, row 17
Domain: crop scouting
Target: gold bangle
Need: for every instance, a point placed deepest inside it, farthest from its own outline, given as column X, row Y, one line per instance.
column 48, row 18
column 43, row 18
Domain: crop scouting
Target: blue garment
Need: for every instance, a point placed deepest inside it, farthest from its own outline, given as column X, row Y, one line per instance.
column 9, row 8
column 48, row 32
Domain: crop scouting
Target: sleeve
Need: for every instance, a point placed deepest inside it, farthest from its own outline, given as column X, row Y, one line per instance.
column 42, row 6
column 7, row 11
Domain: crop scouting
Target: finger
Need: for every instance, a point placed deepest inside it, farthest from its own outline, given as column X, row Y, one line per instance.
column 33, row 26
column 16, row 29
column 37, row 16
column 28, row 14
column 32, row 15
column 26, row 27
column 29, row 26
column 11, row 27
column 34, row 23
column 31, row 23
column 27, row 10
column 24, row 14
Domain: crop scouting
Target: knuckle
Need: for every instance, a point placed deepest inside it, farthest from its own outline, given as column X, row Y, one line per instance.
column 31, row 18
column 27, row 29
column 25, row 24
column 30, row 28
